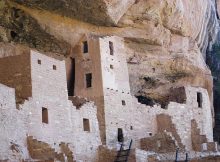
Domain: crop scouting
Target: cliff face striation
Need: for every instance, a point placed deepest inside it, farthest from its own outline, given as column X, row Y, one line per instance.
column 166, row 40
column 139, row 51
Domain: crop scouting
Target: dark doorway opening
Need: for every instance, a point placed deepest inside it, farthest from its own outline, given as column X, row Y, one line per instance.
column 85, row 47
column 44, row 115
column 199, row 99
column 120, row 135
column 71, row 80
column 13, row 34
column 88, row 80
column 86, row 125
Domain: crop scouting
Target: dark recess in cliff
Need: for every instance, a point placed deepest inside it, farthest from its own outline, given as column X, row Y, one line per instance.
column 17, row 26
column 213, row 61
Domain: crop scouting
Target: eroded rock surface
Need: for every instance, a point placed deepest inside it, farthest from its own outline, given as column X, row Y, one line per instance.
column 100, row 12
column 19, row 27
column 166, row 40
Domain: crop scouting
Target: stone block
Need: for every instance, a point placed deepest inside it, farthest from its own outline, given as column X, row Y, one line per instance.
column 212, row 146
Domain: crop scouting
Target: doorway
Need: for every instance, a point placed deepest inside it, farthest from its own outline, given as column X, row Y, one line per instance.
column 71, row 78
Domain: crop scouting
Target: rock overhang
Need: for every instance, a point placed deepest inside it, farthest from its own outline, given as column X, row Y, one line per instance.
column 99, row 12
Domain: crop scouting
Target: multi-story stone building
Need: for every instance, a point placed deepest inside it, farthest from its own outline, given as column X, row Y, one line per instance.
column 66, row 110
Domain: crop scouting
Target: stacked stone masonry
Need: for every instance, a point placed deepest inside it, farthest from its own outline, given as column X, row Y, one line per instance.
column 83, row 118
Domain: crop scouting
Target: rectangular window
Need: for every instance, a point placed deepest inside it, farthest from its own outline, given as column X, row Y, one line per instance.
column 111, row 48
column 111, row 67
column 39, row 62
column 199, row 99
column 86, row 125
column 85, row 47
column 123, row 102
column 88, row 80
column 44, row 115
column 54, row 67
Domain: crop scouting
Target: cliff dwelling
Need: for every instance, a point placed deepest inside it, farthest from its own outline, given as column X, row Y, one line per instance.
column 109, row 81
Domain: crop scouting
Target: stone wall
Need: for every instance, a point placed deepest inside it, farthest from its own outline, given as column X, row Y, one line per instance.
column 119, row 109
column 142, row 118
column 204, row 114
column 149, row 156
column 15, row 72
column 48, row 77
column 114, row 67
column 113, row 106
column 85, row 63
column 65, row 125
column 12, row 127
column 65, row 122
column 138, row 120
column 88, row 62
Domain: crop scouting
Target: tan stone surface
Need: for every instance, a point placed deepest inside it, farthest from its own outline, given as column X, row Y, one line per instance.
column 18, row 77
column 164, row 43
column 164, row 35
column 103, row 12
column 160, row 143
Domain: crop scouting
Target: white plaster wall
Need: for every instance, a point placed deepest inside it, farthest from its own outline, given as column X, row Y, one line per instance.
column 86, row 142
column 12, row 126
column 47, row 83
column 65, row 121
column 181, row 116
column 59, row 127
column 143, row 118
column 65, row 125
column 203, row 114
column 116, row 78
column 117, row 115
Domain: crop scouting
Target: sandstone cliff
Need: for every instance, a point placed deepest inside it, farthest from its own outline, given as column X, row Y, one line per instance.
column 170, row 45
column 166, row 40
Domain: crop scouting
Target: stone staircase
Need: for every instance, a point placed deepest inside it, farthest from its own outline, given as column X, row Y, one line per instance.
column 167, row 138
column 165, row 123
column 44, row 152
column 200, row 142
column 162, row 142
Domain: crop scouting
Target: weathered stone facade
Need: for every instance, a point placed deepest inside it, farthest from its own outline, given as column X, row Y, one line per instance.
column 95, row 78
column 65, row 122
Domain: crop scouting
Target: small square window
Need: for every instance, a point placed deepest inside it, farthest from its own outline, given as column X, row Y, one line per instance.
column 123, row 102
column 54, row 67
column 85, row 47
column 86, row 125
column 111, row 67
column 39, row 62
column 44, row 115
column 131, row 127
